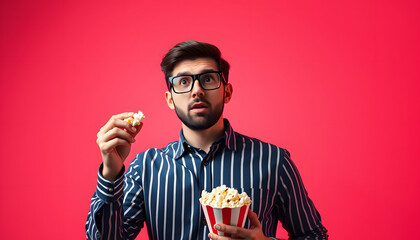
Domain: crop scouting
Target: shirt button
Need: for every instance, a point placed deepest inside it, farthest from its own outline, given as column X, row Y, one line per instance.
column 204, row 222
column 98, row 235
column 205, row 162
column 110, row 189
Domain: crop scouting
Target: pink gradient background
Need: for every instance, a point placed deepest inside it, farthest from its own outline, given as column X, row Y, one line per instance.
column 336, row 83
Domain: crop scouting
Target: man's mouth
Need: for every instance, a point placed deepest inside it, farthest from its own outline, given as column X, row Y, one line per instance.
column 199, row 105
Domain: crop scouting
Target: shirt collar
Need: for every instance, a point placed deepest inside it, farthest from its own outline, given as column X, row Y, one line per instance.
column 229, row 140
column 230, row 136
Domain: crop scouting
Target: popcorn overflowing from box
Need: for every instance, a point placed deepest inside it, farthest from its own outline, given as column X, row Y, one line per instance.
column 224, row 205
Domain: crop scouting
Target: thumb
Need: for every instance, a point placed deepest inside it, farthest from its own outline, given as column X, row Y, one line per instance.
column 138, row 128
column 253, row 220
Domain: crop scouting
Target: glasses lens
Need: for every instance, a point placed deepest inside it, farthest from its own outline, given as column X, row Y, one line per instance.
column 210, row 81
column 182, row 83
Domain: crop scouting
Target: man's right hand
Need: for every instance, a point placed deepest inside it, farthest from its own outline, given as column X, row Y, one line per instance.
column 114, row 141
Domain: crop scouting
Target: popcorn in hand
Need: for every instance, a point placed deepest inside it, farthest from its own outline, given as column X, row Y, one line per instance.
column 135, row 119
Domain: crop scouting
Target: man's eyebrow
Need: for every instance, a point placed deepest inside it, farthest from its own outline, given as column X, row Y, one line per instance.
column 189, row 73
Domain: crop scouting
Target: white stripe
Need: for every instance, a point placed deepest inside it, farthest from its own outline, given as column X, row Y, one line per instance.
column 282, row 201
column 103, row 179
column 100, row 184
column 245, row 216
column 166, row 193
column 192, row 189
column 206, row 215
column 109, row 220
column 260, row 161
column 157, row 197
column 234, row 140
column 195, row 170
column 232, row 159
column 218, row 219
column 270, row 222
column 193, row 162
column 252, row 164
column 290, row 204
column 234, row 216
column 295, row 197
column 265, row 213
column 192, row 206
column 242, row 162
column 128, row 178
column 135, row 196
column 301, row 198
column 174, row 195
column 183, row 199
column 106, row 194
column 103, row 223
column 117, row 192
column 252, row 193
column 228, row 138
column 179, row 146
column 116, row 224
column 222, row 161
column 150, row 187
column 311, row 206
column 138, row 212
column 260, row 171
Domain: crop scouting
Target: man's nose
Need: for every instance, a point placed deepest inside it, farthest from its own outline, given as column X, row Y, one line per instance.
column 197, row 90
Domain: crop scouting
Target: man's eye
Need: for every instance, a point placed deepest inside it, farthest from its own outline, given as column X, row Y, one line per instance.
column 208, row 78
column 183, row 81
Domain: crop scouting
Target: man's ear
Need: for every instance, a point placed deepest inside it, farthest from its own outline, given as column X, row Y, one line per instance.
column 228, row 93
column 169, row 101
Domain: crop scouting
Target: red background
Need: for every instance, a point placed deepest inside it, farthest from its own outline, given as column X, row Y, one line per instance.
column 337, row 84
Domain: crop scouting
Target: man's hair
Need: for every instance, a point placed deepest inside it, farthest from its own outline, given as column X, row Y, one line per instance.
column 191, row 50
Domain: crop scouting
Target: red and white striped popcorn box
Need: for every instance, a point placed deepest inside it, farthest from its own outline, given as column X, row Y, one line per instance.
column 230, row 216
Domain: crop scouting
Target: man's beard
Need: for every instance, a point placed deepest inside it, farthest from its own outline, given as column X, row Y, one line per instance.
column 201, row 121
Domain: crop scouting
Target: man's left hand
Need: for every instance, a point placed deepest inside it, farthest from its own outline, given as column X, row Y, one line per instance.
column 254, row 231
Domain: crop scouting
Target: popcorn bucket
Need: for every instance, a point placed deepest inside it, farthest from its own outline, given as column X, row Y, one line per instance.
column 230, row 216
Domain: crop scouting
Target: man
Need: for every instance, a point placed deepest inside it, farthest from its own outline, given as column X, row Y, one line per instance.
column 162, row 187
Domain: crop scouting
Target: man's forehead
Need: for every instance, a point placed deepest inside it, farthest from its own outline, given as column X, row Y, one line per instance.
column 194, row 66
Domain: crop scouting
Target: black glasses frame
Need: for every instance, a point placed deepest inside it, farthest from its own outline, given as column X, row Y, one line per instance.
column 197, row 77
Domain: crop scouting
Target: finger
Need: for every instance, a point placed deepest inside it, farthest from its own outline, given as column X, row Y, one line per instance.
column 113, row 122
column 216, row 237
column 233, row 230
column 138, row 128
column 117, row 121
column 253, row 219
column 107, row 147
column 116, row 133
column 123, row 115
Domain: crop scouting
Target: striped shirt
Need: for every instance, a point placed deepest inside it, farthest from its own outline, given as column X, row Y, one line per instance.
column 162, row 188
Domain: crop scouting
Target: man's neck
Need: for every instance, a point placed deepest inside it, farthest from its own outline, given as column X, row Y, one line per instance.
column 203, row 139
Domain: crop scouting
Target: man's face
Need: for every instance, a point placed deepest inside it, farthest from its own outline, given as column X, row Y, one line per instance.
column 198, row 109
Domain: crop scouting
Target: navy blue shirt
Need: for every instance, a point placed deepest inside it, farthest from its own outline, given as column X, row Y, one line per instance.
column 162, row 188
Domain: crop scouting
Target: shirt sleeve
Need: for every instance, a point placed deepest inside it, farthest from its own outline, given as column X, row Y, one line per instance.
column 107, row 218
column 297, row 211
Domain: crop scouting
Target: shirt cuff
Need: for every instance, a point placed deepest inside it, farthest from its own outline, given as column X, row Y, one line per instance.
column 110, row 191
